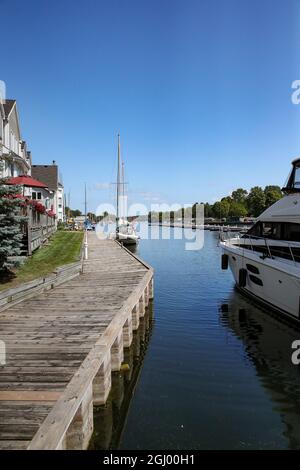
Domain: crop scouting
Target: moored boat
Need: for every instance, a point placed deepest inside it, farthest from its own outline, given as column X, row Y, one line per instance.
column 265, row 261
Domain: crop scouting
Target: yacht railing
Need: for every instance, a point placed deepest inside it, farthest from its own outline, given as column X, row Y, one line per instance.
column 269, row 243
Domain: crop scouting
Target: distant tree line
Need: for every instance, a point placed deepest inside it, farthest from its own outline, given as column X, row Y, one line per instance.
column 240, row 203
column 71, row 213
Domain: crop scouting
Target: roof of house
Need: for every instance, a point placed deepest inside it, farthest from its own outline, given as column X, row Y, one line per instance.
column 25, row 180
column 8, row 106
column 48, row 174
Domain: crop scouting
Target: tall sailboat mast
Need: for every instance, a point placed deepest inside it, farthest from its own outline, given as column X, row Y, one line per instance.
column 123, row 193
column 118, row 185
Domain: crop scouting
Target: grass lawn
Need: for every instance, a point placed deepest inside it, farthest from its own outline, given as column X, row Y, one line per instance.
column 63, row 248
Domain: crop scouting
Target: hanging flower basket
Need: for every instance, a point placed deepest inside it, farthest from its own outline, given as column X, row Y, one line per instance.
column 51, row 214
column 37, row 206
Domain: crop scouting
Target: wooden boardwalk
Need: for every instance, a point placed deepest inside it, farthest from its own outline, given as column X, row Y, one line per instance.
column 61, row 346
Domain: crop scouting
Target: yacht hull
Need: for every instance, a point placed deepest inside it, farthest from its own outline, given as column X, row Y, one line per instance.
column 266, row 281
column 127, row 239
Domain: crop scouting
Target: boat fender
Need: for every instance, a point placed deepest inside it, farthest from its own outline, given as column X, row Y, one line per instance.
column 224, row 262
column 242, row 277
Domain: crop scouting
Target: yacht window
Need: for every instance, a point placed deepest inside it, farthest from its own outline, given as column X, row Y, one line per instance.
column 297, row 178
column 256, row 280
column 255, row 231
column 292, row 232
column 271, row 230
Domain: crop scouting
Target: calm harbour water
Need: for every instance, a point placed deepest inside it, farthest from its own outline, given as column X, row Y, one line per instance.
column 209, row 370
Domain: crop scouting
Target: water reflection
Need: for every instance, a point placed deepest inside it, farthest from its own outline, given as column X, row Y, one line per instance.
column 267, row 341
column 109, row 420
column 132, row 248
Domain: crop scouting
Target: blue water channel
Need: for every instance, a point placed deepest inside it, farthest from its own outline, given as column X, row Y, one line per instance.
column 209, row 368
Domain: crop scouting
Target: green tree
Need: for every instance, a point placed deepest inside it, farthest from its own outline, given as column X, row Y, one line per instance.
column 227, row 199
column 225, row 207
column 272, row 195
column 76, row 213
column 10, row 223
column 239, row 195
column 216, row 210
column 208, row 210
column 194, row 210
column 238, row 209
column 220, row 209
column 91, row 216
column 256, row 201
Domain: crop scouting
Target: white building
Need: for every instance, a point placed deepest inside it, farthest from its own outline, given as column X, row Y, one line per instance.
column 49, row 175
column 15, row 159
column 15, row 166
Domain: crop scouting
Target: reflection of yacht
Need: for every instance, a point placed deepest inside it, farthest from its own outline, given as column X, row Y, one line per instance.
column 265, row 262
column 125, row 231
column 267, row 344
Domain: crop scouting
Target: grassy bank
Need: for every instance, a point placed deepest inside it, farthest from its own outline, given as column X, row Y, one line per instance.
column 63, row 248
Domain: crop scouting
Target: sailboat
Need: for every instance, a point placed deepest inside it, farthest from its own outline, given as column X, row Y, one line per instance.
column 125, row 232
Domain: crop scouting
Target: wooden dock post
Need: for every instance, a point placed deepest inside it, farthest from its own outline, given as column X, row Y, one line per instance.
column 118, row 389
column 146, row 295
column 136, row 316
column 102, row 382
column 142, row 329
column 81, row 428
column 151, row 289
column 142, row 305
column 127, row 332
column 117, row 353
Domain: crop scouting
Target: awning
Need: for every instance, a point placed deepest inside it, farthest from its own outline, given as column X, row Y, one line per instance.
column 25, row 180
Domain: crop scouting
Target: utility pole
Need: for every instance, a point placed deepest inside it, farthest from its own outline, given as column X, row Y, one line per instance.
column 85, row 203
column 85, row 235
column 69, row 203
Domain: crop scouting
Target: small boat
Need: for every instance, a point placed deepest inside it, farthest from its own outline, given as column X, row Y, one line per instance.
column 127, row 234
column 265, row 261
column 125, row 230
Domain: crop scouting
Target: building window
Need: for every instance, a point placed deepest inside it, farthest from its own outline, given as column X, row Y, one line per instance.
column 11, row 169
column 36, row 195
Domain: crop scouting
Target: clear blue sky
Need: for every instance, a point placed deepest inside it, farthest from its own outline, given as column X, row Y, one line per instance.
column 200, row 91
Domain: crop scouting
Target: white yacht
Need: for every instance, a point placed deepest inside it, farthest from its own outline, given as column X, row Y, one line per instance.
column 265, row 262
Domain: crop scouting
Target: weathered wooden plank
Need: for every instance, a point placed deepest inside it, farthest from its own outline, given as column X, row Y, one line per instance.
column 12, row 431
column 13, row 445
column 13, row 395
